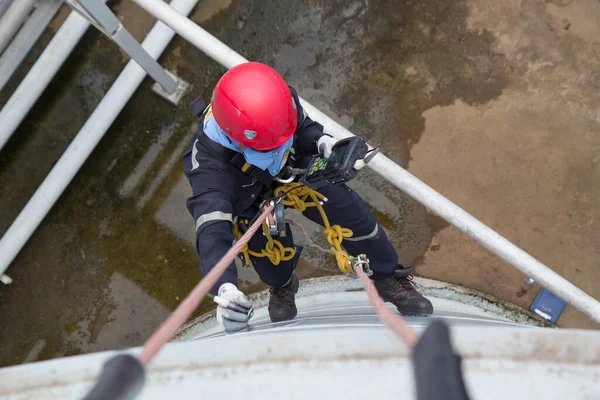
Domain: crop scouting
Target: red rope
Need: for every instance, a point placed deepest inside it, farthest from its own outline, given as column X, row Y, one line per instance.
column 393, row 321
column 181, row 314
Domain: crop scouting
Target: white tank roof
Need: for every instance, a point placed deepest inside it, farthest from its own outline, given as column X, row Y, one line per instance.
column 353, row 359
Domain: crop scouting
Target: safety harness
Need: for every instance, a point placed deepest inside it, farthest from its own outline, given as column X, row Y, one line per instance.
column 300, row 197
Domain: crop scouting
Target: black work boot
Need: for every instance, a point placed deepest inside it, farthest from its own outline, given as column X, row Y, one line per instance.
column 282, row 305
column 399, row 290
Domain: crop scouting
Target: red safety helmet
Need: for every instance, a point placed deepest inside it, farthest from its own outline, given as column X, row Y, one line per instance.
column 254, row 106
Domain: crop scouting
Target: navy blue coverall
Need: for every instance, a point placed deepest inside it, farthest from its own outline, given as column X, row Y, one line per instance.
column 221, row 192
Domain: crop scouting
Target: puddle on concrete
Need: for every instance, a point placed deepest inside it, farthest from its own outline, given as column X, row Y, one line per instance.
column 436, row 223
column 110, row 325
column 93, row 84
column 147, row 160
column 418, row 55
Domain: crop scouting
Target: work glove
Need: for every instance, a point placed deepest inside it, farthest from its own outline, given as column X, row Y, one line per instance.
column 325, row 145
column 233, row 321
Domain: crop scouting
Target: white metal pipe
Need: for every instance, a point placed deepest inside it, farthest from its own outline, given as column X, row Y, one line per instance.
column 86, row 140
column 4, row 6
column 12, row 20
column 20, row 46
column 193, row 33
column 396, row 174
column 40, row 75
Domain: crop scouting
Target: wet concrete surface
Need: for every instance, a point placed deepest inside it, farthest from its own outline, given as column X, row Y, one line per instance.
column 493, row 104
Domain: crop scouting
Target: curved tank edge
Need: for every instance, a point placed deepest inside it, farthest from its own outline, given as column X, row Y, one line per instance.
column 484, row 301
column 430, row 287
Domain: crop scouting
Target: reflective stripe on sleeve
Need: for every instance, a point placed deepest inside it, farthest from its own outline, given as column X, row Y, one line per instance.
column 213, row 216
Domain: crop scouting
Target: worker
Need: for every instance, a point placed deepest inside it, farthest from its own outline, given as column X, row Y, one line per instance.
column 253, row 127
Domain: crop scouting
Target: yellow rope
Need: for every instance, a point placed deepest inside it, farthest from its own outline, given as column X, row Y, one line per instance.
column 274, row 250
column 301, row 197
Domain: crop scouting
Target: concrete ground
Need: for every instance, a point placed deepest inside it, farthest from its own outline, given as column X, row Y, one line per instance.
column 494, row 104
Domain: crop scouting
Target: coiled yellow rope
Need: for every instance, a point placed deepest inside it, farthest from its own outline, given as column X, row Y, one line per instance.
column 301, row 197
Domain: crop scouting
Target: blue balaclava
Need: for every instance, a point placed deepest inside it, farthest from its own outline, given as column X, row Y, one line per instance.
column 272, row 160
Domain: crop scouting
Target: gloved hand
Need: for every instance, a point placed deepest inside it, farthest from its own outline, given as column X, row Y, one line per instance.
column 325, row 145
column 231, row 320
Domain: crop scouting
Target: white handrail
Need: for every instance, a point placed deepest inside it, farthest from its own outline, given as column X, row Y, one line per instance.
column 396, row 174
column 28, row 35
column 4, row 4
column 12, row 20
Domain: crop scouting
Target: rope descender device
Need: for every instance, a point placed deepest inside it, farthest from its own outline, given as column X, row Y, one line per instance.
column 361, row 261
column 276, row 220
